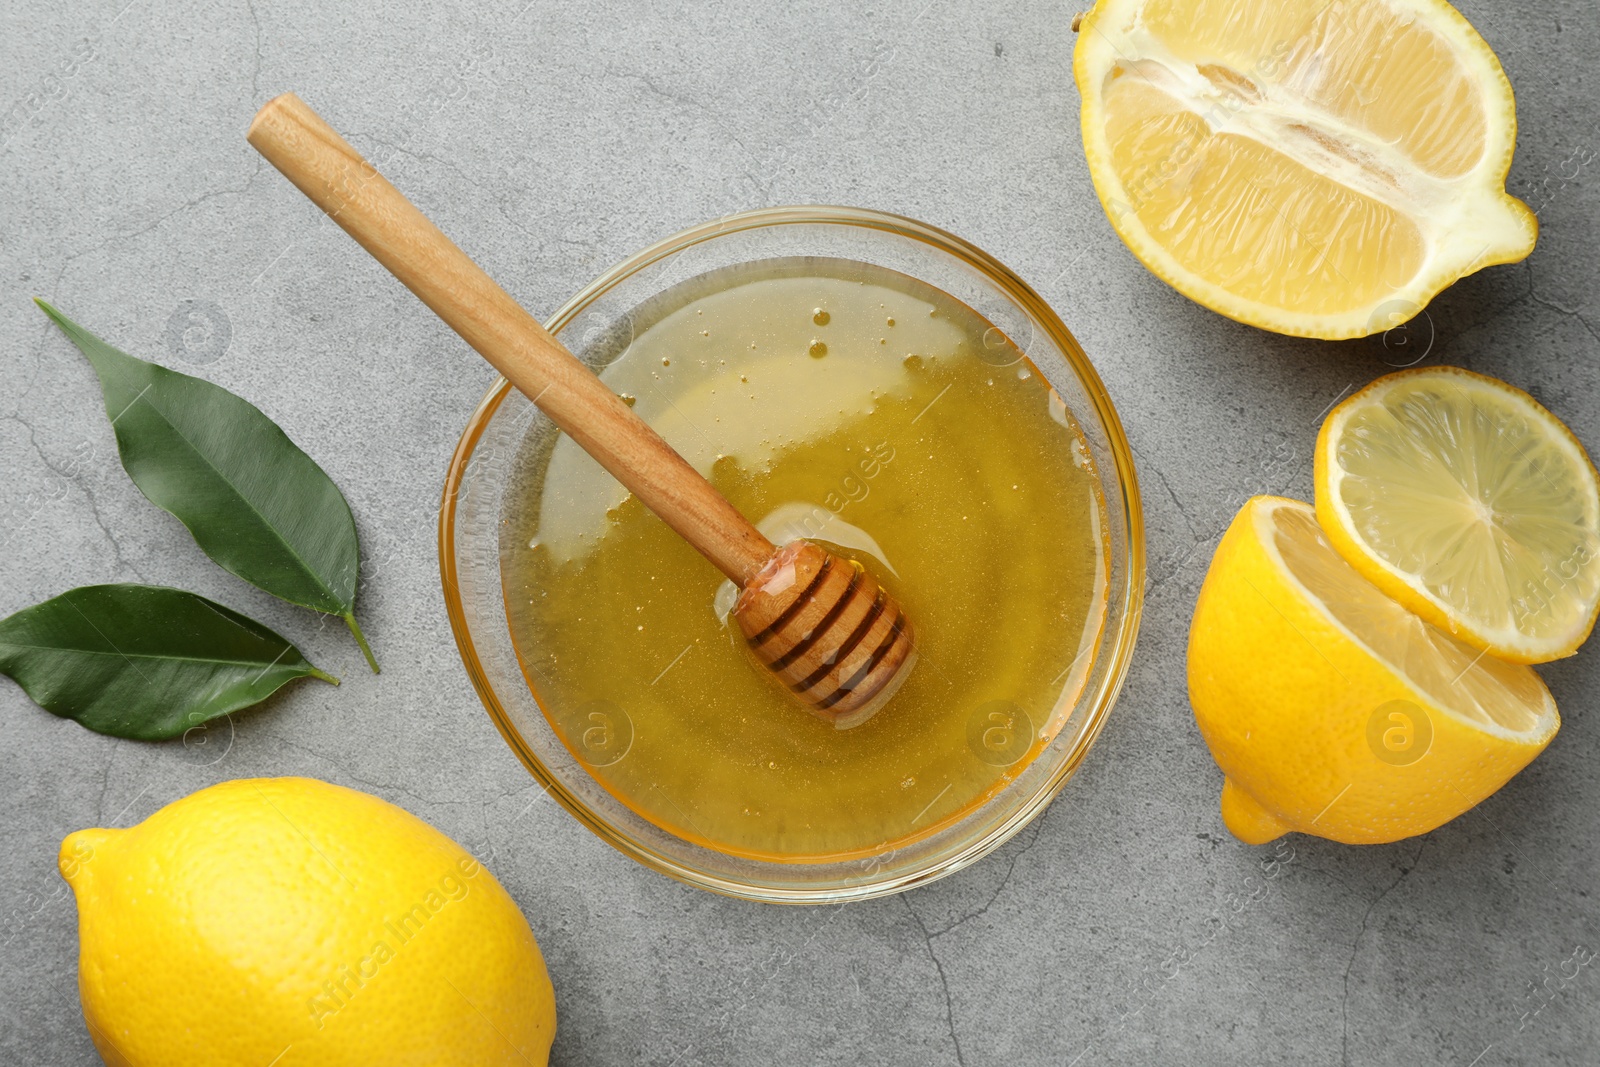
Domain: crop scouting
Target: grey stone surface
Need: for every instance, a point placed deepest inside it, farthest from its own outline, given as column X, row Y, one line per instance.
column 553, row 139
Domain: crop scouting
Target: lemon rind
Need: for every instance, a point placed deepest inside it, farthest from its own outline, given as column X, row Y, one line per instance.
column 1330, row 785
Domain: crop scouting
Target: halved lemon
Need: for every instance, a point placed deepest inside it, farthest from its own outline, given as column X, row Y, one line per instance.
column 1464, row 499
column 1333, row 710
column 1316, row 167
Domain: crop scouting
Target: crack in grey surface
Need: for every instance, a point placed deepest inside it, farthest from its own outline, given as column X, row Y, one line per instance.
column 944, row 981
column 255, row 71
column 188, row 205
column 1032, row 832
column 1570, row 312
column 1355, row 948
column 344, row 768
column 538, row 241
column 89, row 496
column 1183, row 509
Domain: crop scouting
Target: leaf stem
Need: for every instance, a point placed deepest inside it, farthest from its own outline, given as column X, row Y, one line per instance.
column 361, row 639
column 324, row 675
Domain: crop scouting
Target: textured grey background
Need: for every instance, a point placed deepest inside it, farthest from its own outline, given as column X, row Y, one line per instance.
column 553, row 139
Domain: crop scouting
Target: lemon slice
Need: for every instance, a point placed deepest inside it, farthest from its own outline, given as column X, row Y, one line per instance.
column 1316, row 167
column 1462, row 498
column 1333, row 710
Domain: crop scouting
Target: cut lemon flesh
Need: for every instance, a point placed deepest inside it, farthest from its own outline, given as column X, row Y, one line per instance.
column 1498, row 697
column 1299, row 672
column 1316, row 167
column 1471, row 504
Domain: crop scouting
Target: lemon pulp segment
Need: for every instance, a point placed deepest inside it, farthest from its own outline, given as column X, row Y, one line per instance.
column 1312, row 167
column 1491, row 694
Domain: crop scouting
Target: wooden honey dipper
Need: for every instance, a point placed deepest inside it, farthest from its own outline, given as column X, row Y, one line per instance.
column 820, row 623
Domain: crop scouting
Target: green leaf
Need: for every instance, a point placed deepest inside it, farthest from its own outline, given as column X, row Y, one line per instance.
column 255, row 503
column 144, row 661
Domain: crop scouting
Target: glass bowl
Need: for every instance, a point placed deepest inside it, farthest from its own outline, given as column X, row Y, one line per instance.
column 590, row 325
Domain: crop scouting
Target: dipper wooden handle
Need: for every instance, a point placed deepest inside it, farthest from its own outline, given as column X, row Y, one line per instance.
column 350, row 190
column 821, row 624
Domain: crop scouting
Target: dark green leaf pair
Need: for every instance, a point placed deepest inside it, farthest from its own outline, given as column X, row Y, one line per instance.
column 142, row 661
column 148, row 662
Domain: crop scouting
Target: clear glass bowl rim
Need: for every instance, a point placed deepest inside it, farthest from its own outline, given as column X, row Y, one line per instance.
column 1129, row 596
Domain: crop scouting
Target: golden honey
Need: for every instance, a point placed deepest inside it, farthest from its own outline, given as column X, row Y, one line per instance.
column 877, row 415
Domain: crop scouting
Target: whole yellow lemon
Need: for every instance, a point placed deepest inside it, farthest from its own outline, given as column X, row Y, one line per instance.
column 287, row 921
